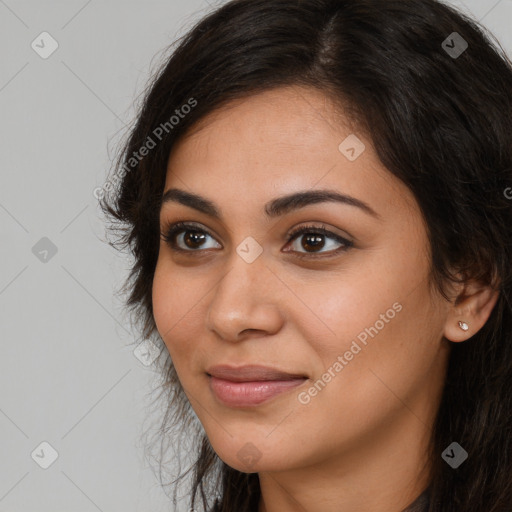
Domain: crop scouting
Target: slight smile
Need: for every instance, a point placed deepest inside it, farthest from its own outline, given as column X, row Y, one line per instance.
column 251, row 385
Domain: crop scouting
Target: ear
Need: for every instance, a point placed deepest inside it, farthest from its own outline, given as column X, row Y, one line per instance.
column 472, row 308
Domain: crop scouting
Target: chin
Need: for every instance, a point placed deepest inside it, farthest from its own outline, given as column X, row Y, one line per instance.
column 248, row 455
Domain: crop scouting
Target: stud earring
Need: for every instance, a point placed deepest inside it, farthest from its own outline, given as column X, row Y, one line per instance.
column 463, row 325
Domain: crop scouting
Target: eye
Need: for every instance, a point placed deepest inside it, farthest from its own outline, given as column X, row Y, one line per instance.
column 185, row 237
column 316, row 241
column 194, row 237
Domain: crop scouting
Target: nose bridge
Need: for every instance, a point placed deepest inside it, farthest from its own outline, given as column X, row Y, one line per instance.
column 244, row 282
column 246, row 266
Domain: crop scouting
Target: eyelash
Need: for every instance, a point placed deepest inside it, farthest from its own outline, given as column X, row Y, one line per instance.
column 174, row 229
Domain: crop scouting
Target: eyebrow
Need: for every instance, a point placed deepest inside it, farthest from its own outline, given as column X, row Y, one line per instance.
column 275, row 207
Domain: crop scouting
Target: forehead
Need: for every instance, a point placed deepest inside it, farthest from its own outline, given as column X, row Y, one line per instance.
column 277, row 142
column 280, row 121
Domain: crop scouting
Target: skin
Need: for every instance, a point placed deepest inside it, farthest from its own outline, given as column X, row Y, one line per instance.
column 360, row 443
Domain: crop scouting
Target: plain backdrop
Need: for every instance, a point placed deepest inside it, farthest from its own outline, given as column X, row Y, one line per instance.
column 73, row 394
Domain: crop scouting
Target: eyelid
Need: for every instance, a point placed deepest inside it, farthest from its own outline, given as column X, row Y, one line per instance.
column 321, row 228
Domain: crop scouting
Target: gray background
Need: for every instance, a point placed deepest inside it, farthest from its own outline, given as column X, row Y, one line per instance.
column 68, row 372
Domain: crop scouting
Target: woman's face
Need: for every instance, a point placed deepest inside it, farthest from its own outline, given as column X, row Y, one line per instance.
column 354, row 322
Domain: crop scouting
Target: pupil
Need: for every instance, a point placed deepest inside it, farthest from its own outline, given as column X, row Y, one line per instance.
column 193, row 236
column 313, row 240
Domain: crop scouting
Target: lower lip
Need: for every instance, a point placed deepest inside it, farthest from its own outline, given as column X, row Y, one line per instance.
column 247, row 394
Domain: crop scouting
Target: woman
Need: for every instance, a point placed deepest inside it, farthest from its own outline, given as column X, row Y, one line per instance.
column 317, row 197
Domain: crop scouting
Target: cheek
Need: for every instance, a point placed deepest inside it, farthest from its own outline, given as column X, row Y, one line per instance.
column 161, row 301
column 178, row 311
column 170, row 304
column 379, row 314
column 340, row 308
column 386, row 344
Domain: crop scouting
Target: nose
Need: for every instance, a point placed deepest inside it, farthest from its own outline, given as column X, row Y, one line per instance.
column 246, row 302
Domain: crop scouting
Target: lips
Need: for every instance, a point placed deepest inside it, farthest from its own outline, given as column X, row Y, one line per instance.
column 251, row 373
column 250, row 386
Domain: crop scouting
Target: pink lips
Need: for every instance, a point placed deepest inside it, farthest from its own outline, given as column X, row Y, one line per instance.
column 250, row 385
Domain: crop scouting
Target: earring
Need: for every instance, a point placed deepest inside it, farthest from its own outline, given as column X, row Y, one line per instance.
column 463, row 325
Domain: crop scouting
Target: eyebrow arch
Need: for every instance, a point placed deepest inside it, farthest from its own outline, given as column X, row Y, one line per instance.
column 275, row 207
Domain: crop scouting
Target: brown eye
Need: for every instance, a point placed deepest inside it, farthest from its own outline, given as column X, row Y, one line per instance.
column 193, row 239
column 186, row 237
column 314, row 240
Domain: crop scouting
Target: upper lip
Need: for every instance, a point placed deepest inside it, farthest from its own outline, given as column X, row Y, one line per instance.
column 250, row 373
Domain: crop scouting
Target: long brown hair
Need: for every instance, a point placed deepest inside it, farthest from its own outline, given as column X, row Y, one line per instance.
column 440, row 122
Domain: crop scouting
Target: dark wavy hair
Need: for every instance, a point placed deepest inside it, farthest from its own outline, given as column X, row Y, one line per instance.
column 440, row 123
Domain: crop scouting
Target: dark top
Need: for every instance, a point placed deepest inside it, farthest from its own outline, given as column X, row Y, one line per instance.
column 420, row 504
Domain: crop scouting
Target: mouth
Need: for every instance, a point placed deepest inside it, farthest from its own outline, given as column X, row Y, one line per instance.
column 251, row 385
column 251, row 373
